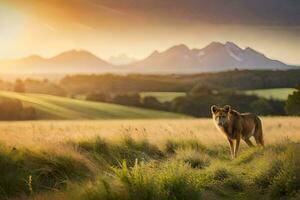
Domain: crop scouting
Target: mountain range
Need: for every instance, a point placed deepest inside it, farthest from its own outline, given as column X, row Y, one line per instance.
column 177, row 59
column 73, row 61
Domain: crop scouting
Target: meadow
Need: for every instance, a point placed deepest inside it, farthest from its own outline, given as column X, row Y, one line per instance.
column 274, row 93
column 145, row 159
column 55, row 107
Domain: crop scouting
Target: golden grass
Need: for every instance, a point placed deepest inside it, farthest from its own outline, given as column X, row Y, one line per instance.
column 53, row 136
column 55, row 133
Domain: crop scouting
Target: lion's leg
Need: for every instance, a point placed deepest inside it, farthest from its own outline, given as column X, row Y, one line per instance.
column 249, row 143
column 231, row 147
column 237, row 145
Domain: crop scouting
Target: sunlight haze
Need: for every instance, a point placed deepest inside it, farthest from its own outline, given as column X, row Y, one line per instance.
column 109, row 28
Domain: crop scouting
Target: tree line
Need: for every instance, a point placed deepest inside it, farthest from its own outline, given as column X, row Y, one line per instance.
column 134, row 83
column 202, row 90
column 238, row 79
column 197, row 102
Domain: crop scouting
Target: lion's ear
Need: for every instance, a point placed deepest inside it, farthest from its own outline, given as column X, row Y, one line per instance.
column 214, row 109
column 227, row 108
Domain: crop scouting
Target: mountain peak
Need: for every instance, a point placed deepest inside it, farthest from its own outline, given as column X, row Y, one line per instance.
column 232, row 45
column 153, row 54
column 252, row 51
column 74, row 52
column 181, row 48
column 214, row 46
column 30, row 59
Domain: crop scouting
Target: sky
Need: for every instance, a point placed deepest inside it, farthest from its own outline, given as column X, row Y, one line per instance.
column 138, row 27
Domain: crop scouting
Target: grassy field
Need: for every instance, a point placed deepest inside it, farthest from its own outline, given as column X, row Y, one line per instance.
column 275, row 93
column 163, row 96
column 145, row 159
column 54, row 107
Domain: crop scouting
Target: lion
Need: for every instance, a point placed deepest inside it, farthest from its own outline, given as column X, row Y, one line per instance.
column 237, row 126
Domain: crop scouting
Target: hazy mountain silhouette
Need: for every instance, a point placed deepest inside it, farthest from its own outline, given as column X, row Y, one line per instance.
column 177, row 59
column 67, row 62
column 214, row 57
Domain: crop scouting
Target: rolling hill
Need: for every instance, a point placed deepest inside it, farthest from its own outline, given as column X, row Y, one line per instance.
column 54, row 107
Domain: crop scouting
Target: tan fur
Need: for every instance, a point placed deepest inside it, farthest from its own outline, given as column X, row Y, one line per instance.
column 237, row 126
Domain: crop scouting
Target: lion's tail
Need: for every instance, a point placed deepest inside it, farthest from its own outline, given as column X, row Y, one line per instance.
column 259, row 133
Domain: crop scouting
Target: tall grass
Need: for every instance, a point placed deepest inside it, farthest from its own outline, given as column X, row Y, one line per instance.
column 25, row 171
column 145, row 160
column 180, row 176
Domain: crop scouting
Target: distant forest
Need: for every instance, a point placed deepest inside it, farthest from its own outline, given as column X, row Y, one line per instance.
column 242, row 80
column 115, row 84
column 202, row 91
